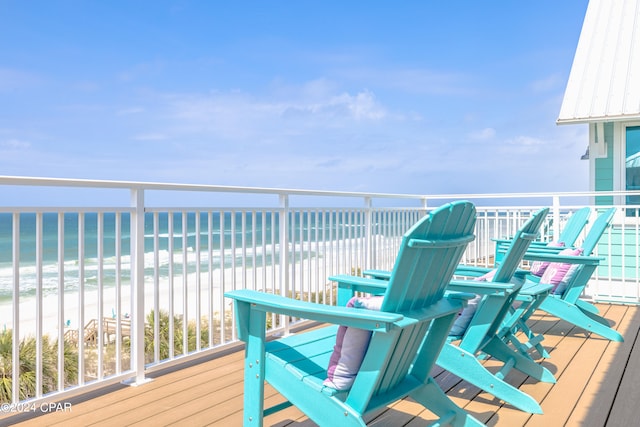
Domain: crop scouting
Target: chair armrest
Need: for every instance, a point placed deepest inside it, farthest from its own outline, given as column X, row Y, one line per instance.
column 378, row 274
column 360, row 284
column 533, row 289
column 477, row 287
column 567, row 259
column 506, row 242
column 552, row 250
column 347, row 316
column 503, row 241
column 548, row 249
column 472, row 271
column 457, row 295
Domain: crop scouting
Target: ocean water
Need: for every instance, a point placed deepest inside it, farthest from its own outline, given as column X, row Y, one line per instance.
column 232, row 236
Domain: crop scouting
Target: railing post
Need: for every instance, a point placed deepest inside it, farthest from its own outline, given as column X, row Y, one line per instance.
column 137, row 285
column 39, row 297
column 368, row 238
column 556, row 218
column 15, row 367
column 285, row 268
column 424, row 205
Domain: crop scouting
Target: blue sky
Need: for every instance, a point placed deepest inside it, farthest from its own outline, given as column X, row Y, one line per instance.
column 404, row 97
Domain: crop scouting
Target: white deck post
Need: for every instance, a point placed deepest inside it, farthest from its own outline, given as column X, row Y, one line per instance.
column 368, row 252
column 137, row 285
column 15, row 367
column 556, row 218
column 285, row 268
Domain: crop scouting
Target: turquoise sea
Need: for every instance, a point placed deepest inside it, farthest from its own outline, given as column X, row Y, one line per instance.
column 231, row 235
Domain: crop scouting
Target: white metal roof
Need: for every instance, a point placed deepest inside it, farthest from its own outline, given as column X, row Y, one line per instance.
column 604, row 83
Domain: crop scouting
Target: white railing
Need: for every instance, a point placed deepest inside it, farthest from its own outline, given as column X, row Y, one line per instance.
column 115, row 292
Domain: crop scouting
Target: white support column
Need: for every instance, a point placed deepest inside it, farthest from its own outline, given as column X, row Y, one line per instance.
column 15, row 367
column 137, row 286
column 368, row 206
column 556, row 218
column 285, row 268
column 39, row 302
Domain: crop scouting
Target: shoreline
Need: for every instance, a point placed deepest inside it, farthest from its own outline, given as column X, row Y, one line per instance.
column 211, row 296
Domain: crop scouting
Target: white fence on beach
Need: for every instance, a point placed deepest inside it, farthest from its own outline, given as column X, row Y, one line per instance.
column 129, row 289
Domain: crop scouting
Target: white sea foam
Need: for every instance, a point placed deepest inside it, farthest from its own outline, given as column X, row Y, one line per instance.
column 190, row 293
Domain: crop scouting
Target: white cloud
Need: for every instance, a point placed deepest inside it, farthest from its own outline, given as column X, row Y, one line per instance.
column 483, row 134
column 15, row 144
column 312, row 90
column 422, row 81
column 240, row 115
column 522, row 145
column 362, row 106
column 341, row 107
column 525, row 141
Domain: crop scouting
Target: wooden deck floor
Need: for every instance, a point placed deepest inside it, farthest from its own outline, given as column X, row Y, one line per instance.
column 597, row 386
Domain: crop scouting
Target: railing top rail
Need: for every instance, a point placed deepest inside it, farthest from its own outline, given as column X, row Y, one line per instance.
column 64, row 209
column 158, row 186
column 108, row 184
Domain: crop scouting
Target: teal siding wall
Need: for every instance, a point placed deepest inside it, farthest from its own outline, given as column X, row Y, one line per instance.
column 604, row 168
column 620, row 248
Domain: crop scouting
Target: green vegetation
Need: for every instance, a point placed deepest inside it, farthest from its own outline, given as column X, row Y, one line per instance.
column 27, row 354
column 27, row 362
column 178, row 335
column 27, row 349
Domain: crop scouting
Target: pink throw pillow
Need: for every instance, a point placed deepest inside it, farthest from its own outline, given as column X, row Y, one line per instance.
column 557, row 272
column 466, row 314
column 562, row 286
column 539, row 267
column 351, row 346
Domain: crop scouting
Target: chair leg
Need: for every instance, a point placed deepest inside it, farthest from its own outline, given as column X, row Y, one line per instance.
column 528, row 302
column 583, row 319
column 501, row 351
column 433, row 398
column 533, row 341
column 465, row 365
column 587, row 306
column 254, row 371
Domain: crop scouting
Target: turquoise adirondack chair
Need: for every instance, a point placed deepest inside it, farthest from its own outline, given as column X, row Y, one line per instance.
column 395, row 364
column 572, row 228
column 462, row 353
column 567, row 304
column 570, row 233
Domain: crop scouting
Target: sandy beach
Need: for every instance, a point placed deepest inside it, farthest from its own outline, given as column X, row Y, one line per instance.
column 210, row 294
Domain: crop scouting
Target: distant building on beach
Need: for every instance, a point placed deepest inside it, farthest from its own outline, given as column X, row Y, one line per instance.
column 604, row 91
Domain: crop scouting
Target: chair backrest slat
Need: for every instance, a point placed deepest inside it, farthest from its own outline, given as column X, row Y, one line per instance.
column 581, row 277
column 519, row 245
column 423, row 267
column 597, row 230
column 574, row 226
column 428, row 255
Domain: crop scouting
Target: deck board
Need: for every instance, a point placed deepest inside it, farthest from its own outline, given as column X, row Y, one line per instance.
column 597, row 386
column 621, row 380
column 582, row 356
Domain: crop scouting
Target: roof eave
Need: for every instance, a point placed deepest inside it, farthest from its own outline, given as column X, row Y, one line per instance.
column 598, row 119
